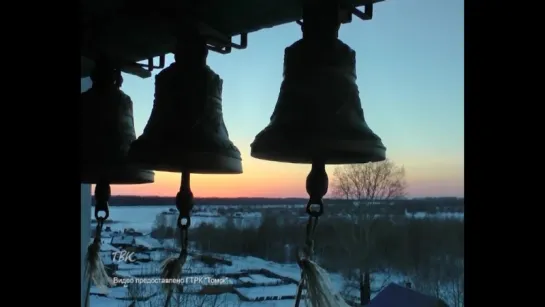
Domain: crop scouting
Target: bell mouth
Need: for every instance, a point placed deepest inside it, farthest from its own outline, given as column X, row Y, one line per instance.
column 116, row 175
column 331, row 152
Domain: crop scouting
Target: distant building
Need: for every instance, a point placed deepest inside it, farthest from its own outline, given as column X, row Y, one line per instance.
column 136, row 243
column 122, row 241
column 395, row 295
column 142, row 257
column 147, row 243
column 105, row 247
column 132, row 232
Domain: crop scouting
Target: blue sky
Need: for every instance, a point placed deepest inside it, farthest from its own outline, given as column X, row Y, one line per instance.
column 410, row 65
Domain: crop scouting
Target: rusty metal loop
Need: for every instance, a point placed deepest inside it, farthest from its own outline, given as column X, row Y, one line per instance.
column 102, row 218
column 315, row 213
column 184, row 222
column 102, row 196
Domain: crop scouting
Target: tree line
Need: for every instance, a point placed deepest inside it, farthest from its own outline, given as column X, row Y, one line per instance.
column 430, row 251
column 371, row 234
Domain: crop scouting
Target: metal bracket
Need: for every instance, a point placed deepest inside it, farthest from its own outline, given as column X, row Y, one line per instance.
column 219, row 42
column 150, row 66
column 225, row 47
column 88, row 64
column 367, row 13
column 346, row 14
column 215, row 40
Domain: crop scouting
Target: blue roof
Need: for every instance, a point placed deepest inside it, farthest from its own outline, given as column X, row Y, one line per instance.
column 395, row 295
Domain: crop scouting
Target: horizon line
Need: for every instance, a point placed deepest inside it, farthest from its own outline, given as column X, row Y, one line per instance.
column 287, row 197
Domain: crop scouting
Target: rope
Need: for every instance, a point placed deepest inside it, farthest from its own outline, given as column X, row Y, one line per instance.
column 95, row 269
column 103, row 76
column 305, row 254
column 190, row 53
column 318, row 285
column 172, row 267
column 88, row 292
column 316, row 185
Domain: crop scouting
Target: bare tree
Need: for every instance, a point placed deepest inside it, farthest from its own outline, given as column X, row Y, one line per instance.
column 444, row 279
column 379, row 181
column 367, row 185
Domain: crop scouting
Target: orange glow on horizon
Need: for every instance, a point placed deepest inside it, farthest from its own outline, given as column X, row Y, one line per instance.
column 425, row 177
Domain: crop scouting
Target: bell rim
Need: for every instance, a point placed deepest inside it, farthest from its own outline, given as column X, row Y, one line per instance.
column 117, row 176
column 273, row 157
column 344, row 152
column 195, row 163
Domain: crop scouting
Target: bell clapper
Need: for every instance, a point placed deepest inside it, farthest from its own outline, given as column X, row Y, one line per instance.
column 320, row 25
column 172, row 267
column 95, row 268
column 319, row 288
column 190, row 53
column 103, row 154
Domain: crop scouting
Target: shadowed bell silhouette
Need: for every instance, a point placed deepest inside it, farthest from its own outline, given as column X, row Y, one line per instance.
column 318, row 115
column 107, row 130
column 186, row 131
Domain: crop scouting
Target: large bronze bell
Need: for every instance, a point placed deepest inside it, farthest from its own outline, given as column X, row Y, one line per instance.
column 318, row 116
column 107, row 130
column 186, row 131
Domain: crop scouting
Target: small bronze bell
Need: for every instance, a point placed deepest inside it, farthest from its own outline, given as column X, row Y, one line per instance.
column 318, row 115
column 186, row 131
column 107, row 130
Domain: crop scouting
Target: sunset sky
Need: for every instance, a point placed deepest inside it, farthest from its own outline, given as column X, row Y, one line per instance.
column 410, row 65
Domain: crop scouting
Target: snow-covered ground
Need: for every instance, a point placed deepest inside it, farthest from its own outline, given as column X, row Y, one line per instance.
column 270, row 291
column 142, row 218
column 442, row 215
column 250, row 284
column 268, row 287
column 259, row 279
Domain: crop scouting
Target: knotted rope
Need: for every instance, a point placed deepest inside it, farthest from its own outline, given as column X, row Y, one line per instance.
column 94, row 269
column 319, row 290
column 172, row 267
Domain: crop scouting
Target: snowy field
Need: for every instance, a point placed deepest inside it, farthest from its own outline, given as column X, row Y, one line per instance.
column 266, row 288
column 244, row 274
column 250, row 284
column 142, row 218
